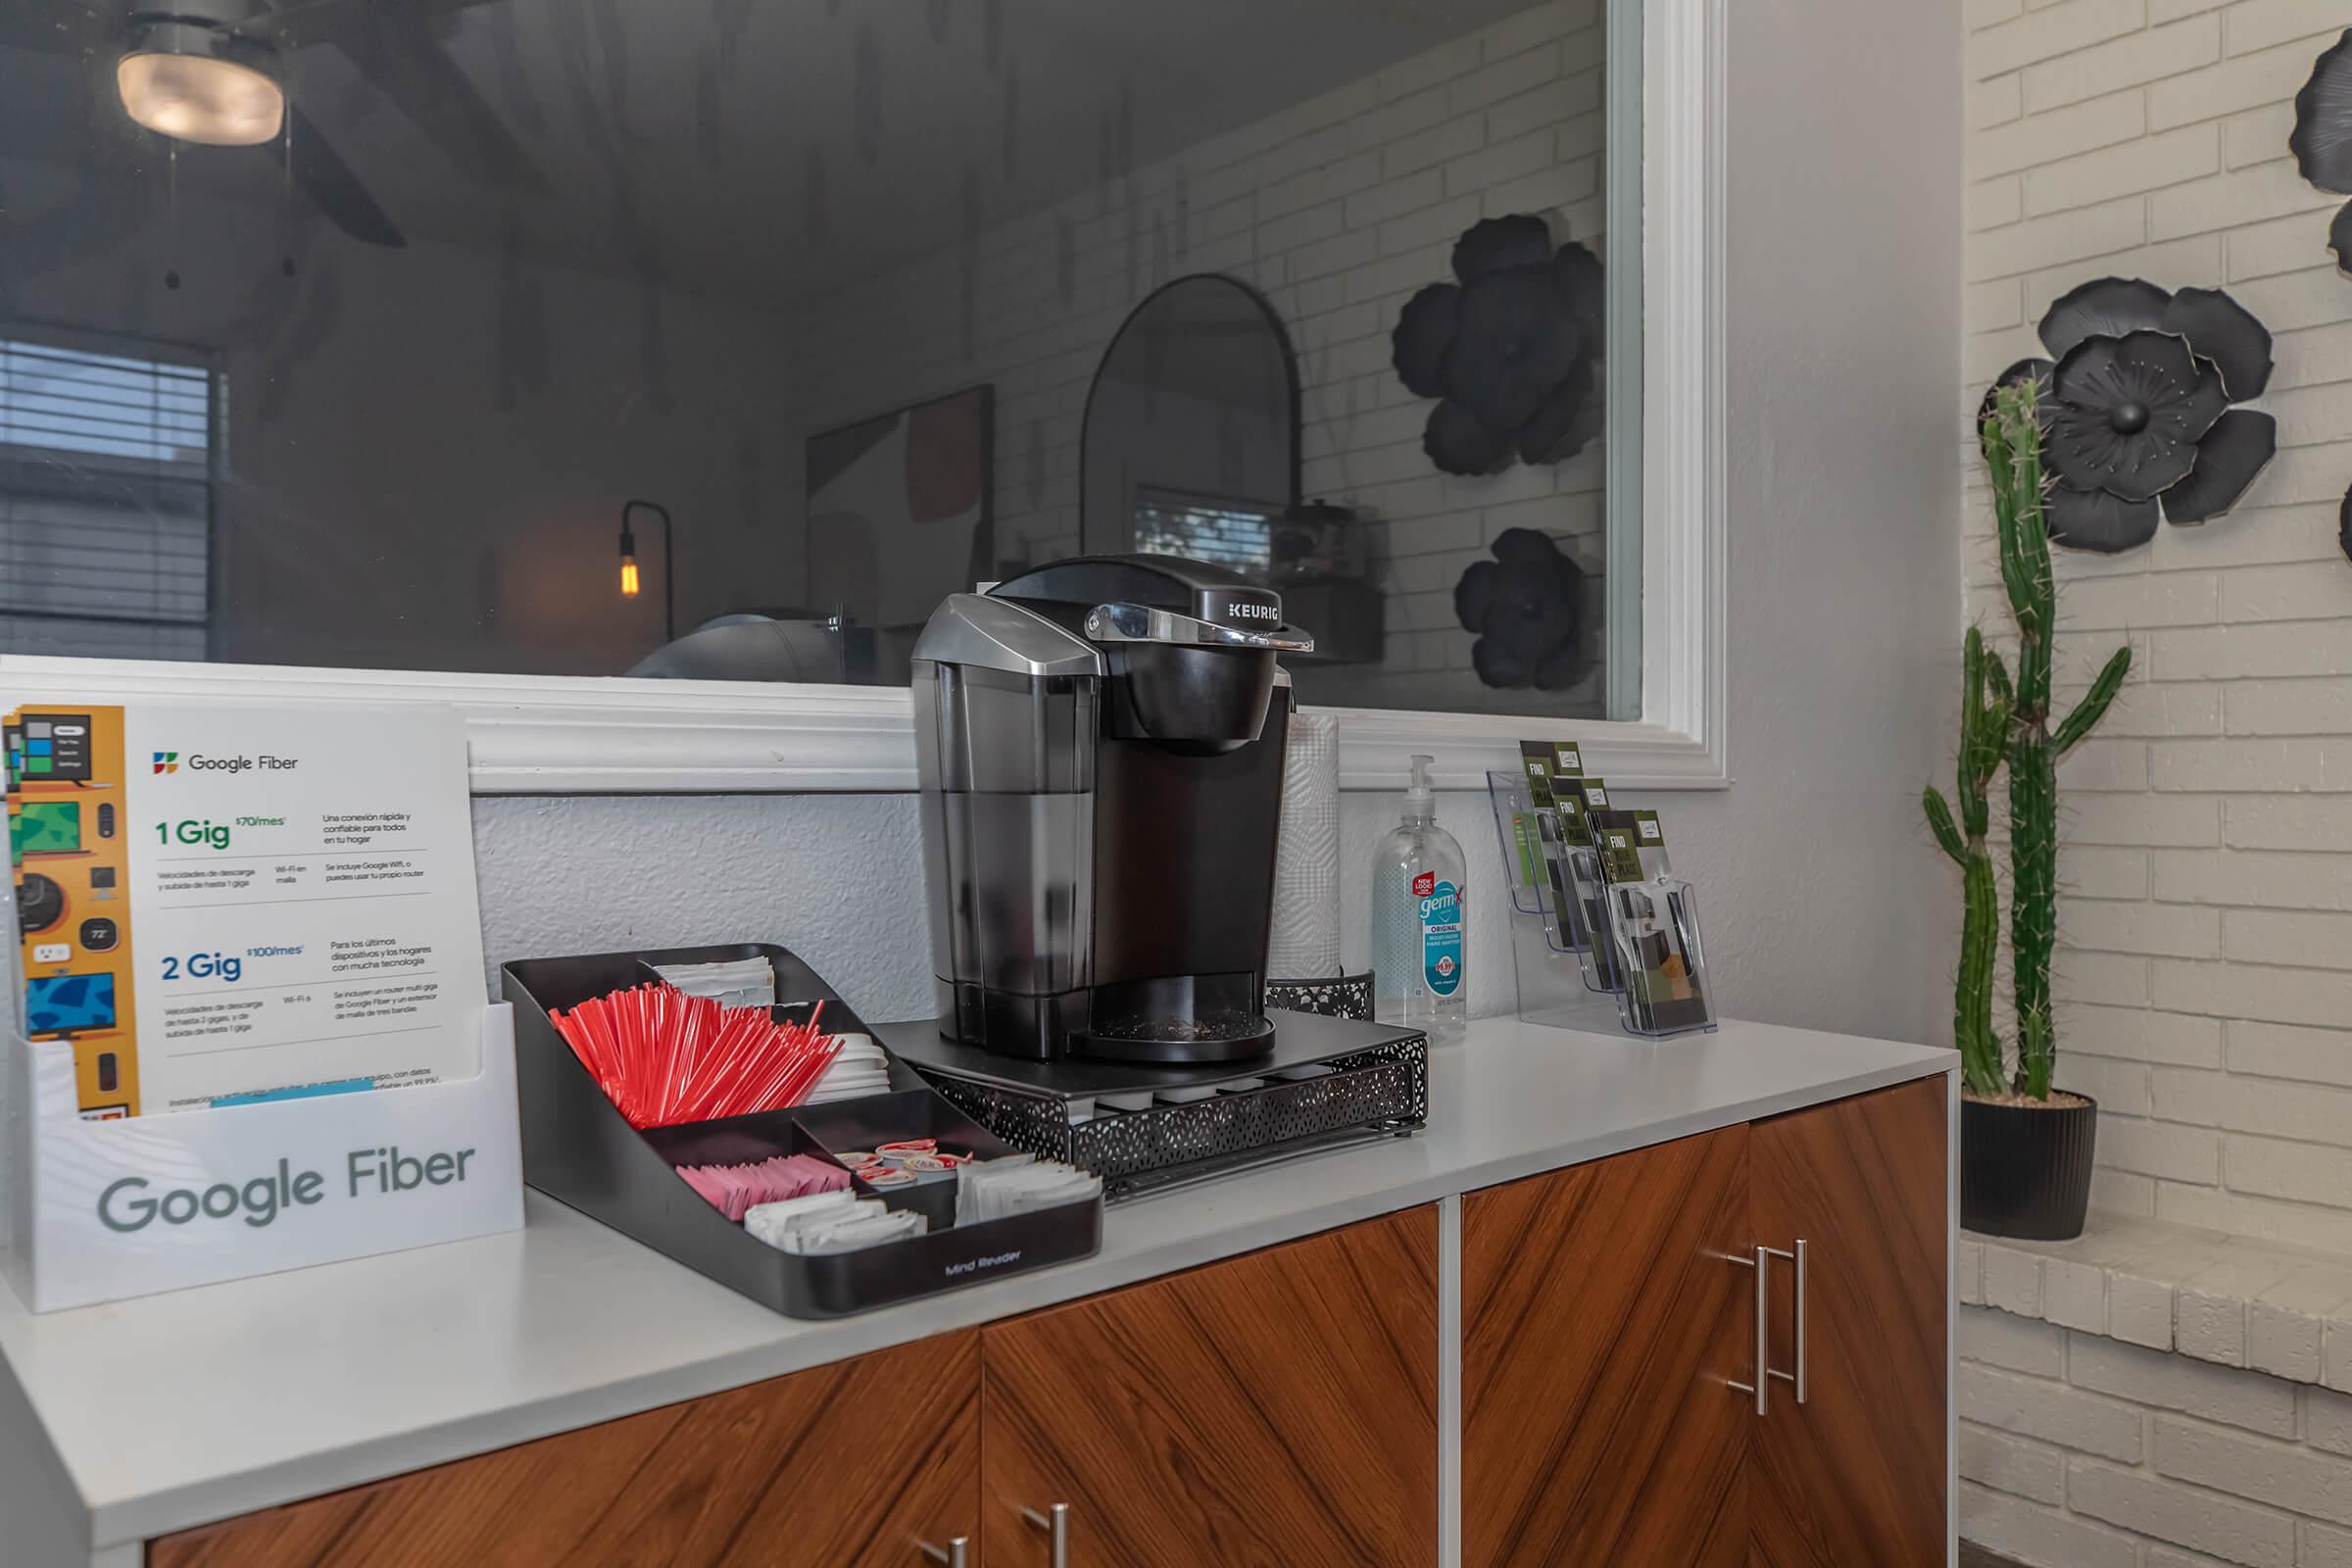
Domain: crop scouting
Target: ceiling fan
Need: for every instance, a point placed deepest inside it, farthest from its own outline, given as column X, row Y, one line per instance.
column 221, row 73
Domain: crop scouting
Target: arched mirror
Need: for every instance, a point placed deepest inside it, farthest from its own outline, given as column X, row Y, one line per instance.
column 1190, row 446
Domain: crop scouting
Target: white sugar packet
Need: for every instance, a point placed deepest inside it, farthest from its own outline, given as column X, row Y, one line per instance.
column 735, row 983
column 824, row 1236
column 771, row 1221
column 1018, row 1184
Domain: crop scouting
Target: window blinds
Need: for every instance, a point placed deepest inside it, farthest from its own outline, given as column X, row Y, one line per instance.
column 106, row 475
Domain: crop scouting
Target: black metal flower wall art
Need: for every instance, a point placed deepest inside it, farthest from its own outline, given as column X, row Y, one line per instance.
column 1507, row 349
column 2137, row 409
column 1527, row 607
column 2321, row 141
column 2126, row 413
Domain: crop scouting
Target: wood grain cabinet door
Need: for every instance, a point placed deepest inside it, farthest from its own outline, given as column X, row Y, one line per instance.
column 1856, row 1475
column 852, row 1464
column 1275, row 1410
column 1603, row 1318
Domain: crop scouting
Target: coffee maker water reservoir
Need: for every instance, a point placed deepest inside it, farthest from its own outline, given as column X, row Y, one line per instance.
column 1099, row 744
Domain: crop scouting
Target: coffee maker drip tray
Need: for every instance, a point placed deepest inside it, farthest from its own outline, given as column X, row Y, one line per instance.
column 1230, row 1036
column 1191, row 1020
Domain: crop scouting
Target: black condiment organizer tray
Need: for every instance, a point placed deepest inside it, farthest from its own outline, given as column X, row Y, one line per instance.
column 579, row 1150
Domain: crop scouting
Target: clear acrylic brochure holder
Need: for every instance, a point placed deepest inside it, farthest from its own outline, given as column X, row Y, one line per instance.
column 1653, row 935
column 1558, row 965
column 100, row 1211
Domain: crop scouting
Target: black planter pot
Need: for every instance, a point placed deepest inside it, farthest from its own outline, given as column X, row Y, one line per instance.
column 2025, row 1170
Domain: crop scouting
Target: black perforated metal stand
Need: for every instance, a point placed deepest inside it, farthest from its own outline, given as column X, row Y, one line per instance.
column 1376, row 1085
column 1347, row 996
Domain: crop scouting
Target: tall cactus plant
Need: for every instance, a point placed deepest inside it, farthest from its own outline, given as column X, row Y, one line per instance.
column 1986, row 701
column 2012, row 439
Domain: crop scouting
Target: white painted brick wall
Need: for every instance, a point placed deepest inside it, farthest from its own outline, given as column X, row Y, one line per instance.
column 1337, row 210
column 2206, row 961
column 2078, row 1451
column 2205, row 971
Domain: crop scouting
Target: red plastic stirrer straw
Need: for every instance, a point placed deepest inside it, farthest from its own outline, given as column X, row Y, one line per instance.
column 663, row 1057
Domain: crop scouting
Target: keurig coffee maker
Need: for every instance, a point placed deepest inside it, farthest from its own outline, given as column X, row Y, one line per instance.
column 1099, row 744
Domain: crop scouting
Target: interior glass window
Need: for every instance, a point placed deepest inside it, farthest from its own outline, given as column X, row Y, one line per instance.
column 341, row 334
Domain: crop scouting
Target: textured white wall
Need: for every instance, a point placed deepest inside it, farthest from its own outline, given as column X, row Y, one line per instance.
column 2204, row 977
column 1823, row 905
column 837, row 878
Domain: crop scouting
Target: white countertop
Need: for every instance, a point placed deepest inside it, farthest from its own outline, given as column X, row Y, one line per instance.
column 134, row 1419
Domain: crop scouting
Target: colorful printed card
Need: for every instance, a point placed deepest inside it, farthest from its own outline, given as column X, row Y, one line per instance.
column 223, row 905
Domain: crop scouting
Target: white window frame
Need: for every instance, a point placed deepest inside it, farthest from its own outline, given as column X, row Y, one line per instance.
column 566, row 734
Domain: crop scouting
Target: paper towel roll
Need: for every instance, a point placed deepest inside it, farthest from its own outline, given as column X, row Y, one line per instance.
column 1304, row 943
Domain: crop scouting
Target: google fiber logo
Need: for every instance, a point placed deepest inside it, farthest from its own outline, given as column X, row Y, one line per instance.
column 167, row 761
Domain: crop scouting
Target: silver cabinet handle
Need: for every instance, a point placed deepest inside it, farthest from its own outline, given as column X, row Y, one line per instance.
column 1765, row 1370
column 1762, row 1387
column 954, row 1554
column 1798, row 1376
column 1058, row 1527
column 1801, row 1318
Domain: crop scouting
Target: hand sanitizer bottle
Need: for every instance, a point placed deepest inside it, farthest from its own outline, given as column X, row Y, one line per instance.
column 1419, row 901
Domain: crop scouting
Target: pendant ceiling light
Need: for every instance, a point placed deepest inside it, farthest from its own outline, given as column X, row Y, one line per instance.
column 195, row 79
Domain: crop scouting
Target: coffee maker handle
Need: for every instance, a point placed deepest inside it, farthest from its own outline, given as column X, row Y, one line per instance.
column 1148, row 623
